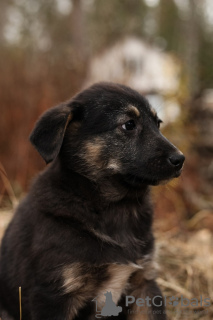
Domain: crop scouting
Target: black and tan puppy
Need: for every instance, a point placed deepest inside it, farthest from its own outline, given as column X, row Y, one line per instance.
column 85, row 228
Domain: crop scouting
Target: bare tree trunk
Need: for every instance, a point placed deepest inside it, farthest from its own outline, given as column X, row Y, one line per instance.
column 192, row 48
column 78, row 31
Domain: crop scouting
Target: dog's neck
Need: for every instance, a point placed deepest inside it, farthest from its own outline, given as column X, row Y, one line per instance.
column 106, row 209
column 113, row 189
column 108, row 189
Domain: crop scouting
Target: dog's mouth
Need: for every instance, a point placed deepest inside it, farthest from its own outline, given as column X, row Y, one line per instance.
column 178, row 173
column 156, row 171
column 137, row 180
column 134, row 180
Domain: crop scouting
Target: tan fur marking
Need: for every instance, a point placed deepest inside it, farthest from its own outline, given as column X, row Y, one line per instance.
column 135, row 110
column 105, row 237
column 119, row 275
column 135, row 212
column 153, row 111
column 69, row 118
column 113, row 164
column 73, row 279
column 93, row 151
column 149, row 265
column 130, row 278
column 78, row 284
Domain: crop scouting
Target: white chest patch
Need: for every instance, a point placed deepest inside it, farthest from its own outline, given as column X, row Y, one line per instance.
column 117, row 283
column 81, row 281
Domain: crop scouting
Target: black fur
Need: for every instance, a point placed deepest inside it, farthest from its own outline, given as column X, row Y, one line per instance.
column 90, row 209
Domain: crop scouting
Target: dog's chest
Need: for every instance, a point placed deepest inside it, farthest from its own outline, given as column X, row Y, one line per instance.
column 118, row 276
column 95, row 280
column 90, row 283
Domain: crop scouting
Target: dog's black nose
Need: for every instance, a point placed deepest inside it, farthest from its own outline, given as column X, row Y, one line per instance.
column 177, row 160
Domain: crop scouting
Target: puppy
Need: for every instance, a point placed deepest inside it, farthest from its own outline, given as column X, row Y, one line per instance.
column 84, row 231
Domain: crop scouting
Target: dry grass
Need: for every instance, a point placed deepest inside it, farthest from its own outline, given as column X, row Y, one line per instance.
column 6, row 213
column 5, row 217
column 186, row 263
column 7, row 187
column 186, row 269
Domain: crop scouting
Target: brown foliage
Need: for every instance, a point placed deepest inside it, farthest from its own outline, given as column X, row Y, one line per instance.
column 30, row 85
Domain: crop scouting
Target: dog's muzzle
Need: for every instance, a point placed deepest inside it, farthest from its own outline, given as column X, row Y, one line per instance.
column 176, row 162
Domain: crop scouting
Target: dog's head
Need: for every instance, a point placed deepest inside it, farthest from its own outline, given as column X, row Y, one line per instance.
column 108, row 130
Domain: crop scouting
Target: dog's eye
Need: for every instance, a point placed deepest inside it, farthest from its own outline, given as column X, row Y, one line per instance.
column 159, row 122
column 129, row 125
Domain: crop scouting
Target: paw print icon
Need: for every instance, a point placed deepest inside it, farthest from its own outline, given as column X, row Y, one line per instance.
column 173, row 301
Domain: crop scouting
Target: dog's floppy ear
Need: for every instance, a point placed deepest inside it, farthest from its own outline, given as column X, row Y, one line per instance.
column 47, row 136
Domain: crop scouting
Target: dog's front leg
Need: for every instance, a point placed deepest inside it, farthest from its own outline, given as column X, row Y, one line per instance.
column 46, row 305
column 144, row 300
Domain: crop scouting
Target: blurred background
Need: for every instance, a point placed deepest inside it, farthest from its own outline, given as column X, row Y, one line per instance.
column 51, row 49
